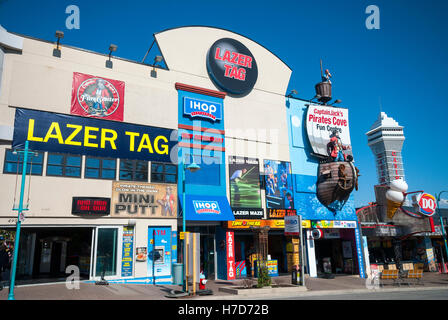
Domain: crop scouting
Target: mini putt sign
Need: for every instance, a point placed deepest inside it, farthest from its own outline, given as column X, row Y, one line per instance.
column 232, row 66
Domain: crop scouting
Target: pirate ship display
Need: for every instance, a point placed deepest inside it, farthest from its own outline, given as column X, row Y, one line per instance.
column 335, row 182
column 328, row 132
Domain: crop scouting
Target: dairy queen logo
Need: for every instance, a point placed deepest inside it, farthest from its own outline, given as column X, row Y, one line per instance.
column 427, row 204
column 98, row 97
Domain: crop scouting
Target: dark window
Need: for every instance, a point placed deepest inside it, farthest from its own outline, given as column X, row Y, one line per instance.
column 133, row 170
column 163, row 172
column 100, row 168
column 63, row 165
column 35, row 162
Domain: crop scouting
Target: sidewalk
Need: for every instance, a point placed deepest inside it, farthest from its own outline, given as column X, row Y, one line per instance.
column 88, row 291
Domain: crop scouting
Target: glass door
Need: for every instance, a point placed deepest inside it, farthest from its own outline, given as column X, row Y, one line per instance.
column 107, row 253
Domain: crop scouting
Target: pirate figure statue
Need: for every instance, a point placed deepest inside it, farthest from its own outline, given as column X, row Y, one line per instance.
column 335, row 147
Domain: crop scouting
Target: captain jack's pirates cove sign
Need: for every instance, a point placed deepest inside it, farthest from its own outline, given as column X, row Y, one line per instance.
column 232, row 67
column 97, row 97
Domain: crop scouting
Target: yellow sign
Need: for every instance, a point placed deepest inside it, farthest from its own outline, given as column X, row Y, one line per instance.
column 182, row 235
column 273, row 224
column 306, row 224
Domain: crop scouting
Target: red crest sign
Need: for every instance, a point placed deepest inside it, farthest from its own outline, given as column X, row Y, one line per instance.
column 97, row 97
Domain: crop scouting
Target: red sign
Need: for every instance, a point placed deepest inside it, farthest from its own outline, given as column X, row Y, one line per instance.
column 230, row 241
column 97, row 97
column 427, row 204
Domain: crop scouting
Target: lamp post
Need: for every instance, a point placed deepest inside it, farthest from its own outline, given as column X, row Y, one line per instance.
column 441, row 224
column 20, row 210
column 193, row 167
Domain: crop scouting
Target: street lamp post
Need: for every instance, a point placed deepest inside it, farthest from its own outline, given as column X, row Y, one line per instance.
column 441, row 225
column 192, row 168
column 20, row 210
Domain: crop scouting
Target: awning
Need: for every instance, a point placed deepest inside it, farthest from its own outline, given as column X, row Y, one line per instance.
column 207, row 208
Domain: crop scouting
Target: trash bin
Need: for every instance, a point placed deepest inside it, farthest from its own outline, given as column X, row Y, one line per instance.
column 294, row 276
column 178, row 274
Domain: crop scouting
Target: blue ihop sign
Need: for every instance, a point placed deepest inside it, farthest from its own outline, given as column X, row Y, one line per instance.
column 206, row 207
column 202, row 109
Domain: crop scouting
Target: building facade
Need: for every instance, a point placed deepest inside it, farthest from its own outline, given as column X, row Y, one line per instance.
column 113, row 140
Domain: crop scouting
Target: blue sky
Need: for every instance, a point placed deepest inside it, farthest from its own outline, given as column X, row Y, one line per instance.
column 404, row 62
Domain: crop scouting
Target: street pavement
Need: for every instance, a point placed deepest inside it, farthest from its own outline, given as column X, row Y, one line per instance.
column 388, row 294
column 341, row 287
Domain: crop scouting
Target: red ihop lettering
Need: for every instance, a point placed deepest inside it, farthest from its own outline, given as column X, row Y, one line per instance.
column 236, row 59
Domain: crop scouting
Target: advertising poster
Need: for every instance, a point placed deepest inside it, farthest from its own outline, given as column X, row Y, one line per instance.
column 278, row 180
column 141, row 253
column 141, row 199
column 127, row 254
column 244, row 176
column 328, row 131
column 97, row 97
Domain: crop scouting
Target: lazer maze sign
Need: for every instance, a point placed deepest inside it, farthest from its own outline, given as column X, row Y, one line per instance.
column 323, row 123
column 56, row 132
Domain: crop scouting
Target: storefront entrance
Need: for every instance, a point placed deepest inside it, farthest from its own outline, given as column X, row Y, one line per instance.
column 45, row 253
column 106, row 253
column 334, row 256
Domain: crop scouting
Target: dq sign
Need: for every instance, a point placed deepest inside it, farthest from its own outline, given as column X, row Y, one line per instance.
column 427, row 204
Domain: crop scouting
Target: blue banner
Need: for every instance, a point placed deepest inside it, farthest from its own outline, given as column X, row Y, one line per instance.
column 202, row 109
column 62, row 133
column 359, row 252
column 127, row 258
column 208, row 208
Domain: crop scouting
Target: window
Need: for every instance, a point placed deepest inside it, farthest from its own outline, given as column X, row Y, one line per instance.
column 134, row 170
column 100, row 168
column 63, row 165
column 35, row 163
column 163, row 172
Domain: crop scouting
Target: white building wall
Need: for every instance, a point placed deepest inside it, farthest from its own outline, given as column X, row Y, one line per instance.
column 35, row 79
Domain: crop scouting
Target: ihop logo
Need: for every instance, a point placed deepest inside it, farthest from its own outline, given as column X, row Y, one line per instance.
column 203, row 109
column 206, row 207
column 427, row 204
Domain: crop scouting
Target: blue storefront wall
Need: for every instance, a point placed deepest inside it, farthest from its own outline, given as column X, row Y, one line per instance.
column 210, row 180
column 305, row 169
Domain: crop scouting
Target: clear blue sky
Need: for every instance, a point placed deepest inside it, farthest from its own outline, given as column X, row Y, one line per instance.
column 404, row 62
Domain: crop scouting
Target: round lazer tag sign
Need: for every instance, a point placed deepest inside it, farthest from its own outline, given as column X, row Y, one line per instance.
column 232, row 66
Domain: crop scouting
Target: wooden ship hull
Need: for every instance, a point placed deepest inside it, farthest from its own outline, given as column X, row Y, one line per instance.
column 336, row 180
